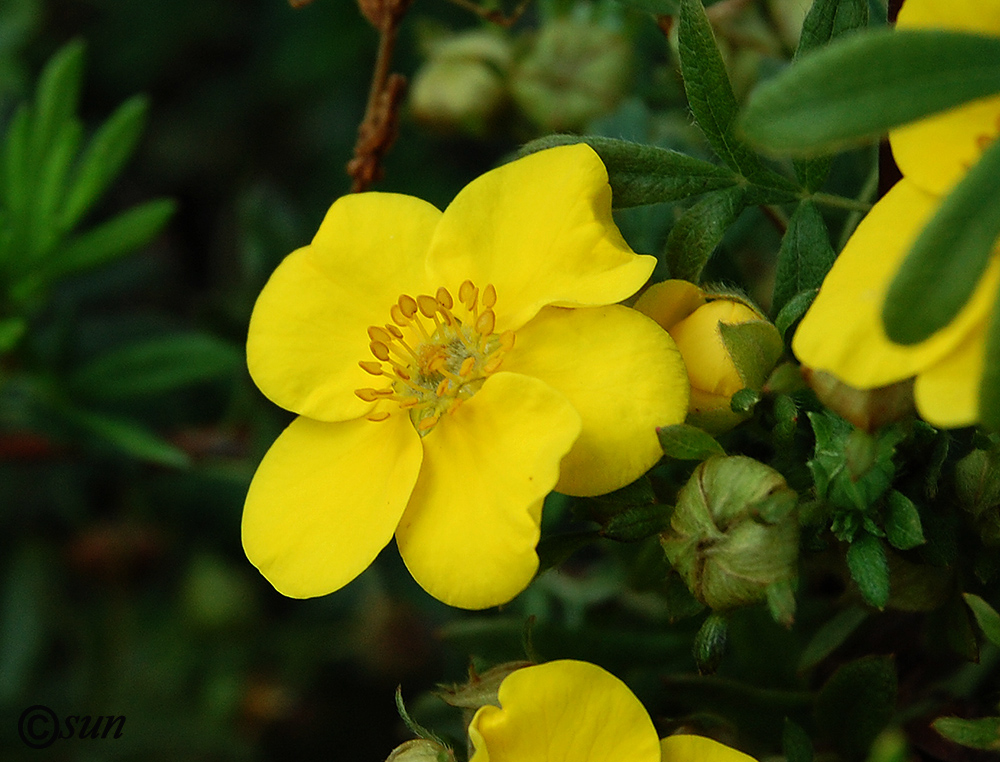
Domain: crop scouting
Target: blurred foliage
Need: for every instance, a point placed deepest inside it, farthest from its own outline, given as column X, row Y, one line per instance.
column 158, row 162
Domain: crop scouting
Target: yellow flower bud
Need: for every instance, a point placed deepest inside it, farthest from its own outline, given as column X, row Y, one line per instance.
column 693, row 318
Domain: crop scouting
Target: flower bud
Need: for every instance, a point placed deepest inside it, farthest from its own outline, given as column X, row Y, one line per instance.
column 733, row 533
column 977, row 481
column 575, row 71
column 482, row 689
column 421, row 750
column 462, row 86
column 694, row 319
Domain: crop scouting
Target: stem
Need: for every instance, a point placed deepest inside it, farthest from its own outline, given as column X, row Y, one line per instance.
column 495, row 17
column 840, row 202
column 777, row 217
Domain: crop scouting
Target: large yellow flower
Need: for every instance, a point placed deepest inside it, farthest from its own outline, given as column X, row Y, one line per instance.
column 843, row 332
column 573, row 710
column 449, row 370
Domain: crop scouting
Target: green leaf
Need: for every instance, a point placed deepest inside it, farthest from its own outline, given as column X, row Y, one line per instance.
column 989, row 384
column 643, row 174
column 831, row 636
column 52, row 187
column 949, row 257
column 11, row 331
column 828, row 19
column 902, row 522
column 781, row 602
column 793, row 311
column 103, row 159
column 755, row 348
column 795, row 743
column 15, row 162
column 637, row 522
column 856, row 703
column 983, row 733
column 710, row 643
column 805, row 255
column 866, row 83
column 685, row 442
column 699, row 230
column 869, row 568
column 709, row 92
column 986, row 617
column 56, row 98
column 156, row 366
column 129, row 231
column 129, row 437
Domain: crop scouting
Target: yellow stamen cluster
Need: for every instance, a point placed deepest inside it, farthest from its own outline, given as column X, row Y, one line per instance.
column 433, row 359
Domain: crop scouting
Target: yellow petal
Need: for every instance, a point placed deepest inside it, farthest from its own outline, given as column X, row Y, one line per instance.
column 842, row 332
column 670, row 302
column 937, row 151
column 326, row 499
column 689, row 748
column 564, row 710
column 947, row 393
column 621, row 372
column 309, row 327
column 469, row 532
column 540, row 230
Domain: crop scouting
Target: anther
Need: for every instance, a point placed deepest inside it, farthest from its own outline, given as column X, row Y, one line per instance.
column 444, row 298
column 467, row 367
column 442, row 388
column 394, row 331
column 428, row 305
column 428, row 423
column 486, row 322
column 377, row 417
column 489, row 296
column 466, row 292
column 396, row 313
column 368, row 395
column 408, row 306
column 379, row 334
column 380, row 350
column 371, row 367
column 492, row 364
column 507, row 340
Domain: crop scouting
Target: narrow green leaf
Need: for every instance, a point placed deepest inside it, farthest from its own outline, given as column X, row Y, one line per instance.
column 709, row 92
column 643, row 174
column 51, row 187
column 869, row 568
column 129, row 231
column 755, row 348
column 831, row 636
column 805, row 255
column 15, row 172
column 986, row 617
column 156, row 366
column 796, row 744
column 793, row 311
column 902, row 522
column 989, row 384
column 856, row 703
column 949, row 257
column 700, row 229
column 983, row 733
column 104, row 157
column 866, row 83
column 56, row 98
column 826, row 20
column 685, row 442
column 129, row 437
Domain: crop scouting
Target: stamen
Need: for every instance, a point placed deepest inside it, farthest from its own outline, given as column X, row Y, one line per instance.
column 371, row 367
column 379, row 334
column 466, row 292
column 428, row 305
column 444, row 298
column 507, row 341
column 489, row 296
column 380, row 350
column 467, row 367
column 408, row 306
column 492, row 364
column 396, row 333
column 367, row 394
column 396, row 313
column 377, row 417
column 442, row 388
column 486, row 322
column 428, row 423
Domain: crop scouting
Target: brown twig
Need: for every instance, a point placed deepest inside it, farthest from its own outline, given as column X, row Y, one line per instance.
column 378, row 129
column 493, row 16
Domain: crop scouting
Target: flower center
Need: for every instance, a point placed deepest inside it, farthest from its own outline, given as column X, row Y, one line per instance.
column 433, row 358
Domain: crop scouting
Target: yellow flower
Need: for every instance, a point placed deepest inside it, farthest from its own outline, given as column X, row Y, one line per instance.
column 692, row 319
column 842, row 333
column 449, row 370
column 576, row 711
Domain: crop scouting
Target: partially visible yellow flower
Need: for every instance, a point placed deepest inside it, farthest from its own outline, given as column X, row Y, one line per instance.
column 576, row 711
column 842, row 333
column 692, row 317
column 449, row 370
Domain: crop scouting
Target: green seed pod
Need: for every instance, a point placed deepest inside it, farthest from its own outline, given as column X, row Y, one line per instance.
column 733, row 532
